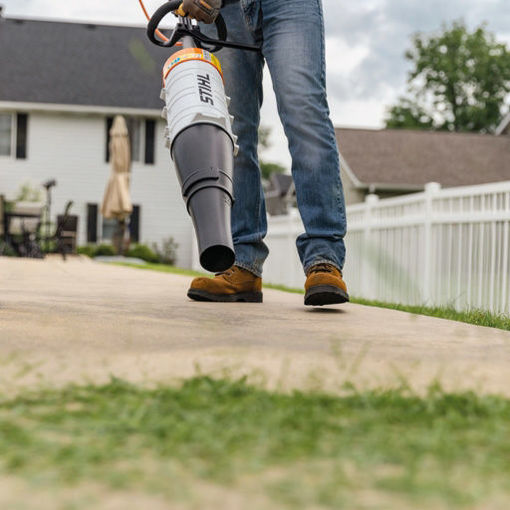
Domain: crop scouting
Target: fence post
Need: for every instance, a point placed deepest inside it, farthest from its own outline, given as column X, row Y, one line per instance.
column 195, row 257
column 367, row 284
column 293, row 217
column 431, row 189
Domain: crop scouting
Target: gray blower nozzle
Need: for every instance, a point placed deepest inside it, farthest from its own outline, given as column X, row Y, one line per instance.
column 204, row 161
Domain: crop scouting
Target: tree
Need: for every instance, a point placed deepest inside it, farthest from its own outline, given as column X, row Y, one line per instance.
column 267, row 168
column 459, row 82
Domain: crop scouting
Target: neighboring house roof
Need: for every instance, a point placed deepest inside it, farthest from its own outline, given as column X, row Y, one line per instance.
column 408, row 159
column 79, row 64
column 281, row 183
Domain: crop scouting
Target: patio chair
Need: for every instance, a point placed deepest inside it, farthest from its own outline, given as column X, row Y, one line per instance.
column 2, row 221
column 2, row 227
column 67, row 233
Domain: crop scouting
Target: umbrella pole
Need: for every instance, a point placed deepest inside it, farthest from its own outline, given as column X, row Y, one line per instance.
column 119, row 237
column 126, row 239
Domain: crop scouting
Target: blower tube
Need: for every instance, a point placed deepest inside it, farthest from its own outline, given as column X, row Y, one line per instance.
column 202, row 146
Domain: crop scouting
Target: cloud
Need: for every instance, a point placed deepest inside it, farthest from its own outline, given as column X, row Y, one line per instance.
column 381, row 30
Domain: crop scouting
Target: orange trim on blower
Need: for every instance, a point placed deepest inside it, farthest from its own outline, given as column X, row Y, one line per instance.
column 190, row 54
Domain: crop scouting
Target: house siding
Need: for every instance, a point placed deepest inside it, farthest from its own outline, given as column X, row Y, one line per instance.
column 352, row 194
column 70, row 149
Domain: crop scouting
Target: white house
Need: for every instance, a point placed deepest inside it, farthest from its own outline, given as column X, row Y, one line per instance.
column 60, row 86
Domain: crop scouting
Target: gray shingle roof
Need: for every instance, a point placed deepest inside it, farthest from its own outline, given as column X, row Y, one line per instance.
column 407, row 157
column 79, row 64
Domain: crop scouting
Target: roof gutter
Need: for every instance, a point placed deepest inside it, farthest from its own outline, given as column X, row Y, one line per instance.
column 78, row 109
column 377, row 186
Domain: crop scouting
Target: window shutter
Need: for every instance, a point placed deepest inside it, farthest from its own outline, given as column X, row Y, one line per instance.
column 109, row 124
column 21, row 135
column 150, row 132
column 134, row 224
column 91, row 223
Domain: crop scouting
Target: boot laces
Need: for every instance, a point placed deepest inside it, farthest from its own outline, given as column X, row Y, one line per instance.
column 227, row 272
column 322, row 268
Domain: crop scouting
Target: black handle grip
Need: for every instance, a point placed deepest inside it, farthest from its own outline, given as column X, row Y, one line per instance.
column 165, row 10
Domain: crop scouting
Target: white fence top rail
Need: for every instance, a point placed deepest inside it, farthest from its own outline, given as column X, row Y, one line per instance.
column 438, row 193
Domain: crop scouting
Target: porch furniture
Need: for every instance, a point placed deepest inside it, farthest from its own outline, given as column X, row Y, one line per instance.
column 2, row 210
column 3, row 246
column 67, row 233
column 21, row 226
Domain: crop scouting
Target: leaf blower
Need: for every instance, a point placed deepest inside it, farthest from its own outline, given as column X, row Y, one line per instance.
column 199, row 133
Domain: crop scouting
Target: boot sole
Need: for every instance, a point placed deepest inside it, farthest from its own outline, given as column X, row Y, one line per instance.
column 321, row 295
column 241, row 297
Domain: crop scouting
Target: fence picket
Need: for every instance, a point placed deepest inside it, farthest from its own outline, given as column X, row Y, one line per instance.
column 439, row 247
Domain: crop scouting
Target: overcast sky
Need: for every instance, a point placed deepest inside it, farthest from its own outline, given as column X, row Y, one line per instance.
column 366, row 40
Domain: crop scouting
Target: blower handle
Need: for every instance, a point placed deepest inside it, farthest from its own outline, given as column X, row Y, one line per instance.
column 181, row 29
column 186, row 29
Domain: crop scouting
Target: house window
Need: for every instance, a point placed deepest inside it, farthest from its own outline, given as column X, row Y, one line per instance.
column 108, row 230
column 134, row 128
column 13, row 135
column 108, row 226
column 141, row 139
column 6, row 121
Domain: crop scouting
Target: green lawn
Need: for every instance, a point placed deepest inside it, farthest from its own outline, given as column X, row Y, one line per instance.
column 477, row 317
column 298, row 450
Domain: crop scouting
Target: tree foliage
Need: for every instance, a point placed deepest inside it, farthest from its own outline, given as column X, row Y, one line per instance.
column 459, row 82
column 267, row 169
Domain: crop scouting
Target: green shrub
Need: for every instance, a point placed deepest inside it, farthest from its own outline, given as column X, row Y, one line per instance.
column 6, row 250
column 142, row 251
column 105, row 250
column 49, row 246
column 167, row 254
column 89, row 250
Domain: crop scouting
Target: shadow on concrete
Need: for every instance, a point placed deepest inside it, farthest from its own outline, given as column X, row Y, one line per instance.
column 325, row 310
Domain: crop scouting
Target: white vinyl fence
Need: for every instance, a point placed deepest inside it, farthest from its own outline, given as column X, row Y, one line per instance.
column 447, row 247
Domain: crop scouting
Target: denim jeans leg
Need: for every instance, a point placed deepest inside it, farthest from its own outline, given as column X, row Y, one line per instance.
column 293, row 46
column 243, row 73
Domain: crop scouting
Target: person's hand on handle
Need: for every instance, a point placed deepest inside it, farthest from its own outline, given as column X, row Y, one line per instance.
column 201, row 10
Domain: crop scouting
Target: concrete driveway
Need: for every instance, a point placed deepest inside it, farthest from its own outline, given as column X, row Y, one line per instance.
column 80, row 321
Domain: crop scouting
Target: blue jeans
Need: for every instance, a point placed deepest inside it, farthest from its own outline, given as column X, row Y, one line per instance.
column 291, row 33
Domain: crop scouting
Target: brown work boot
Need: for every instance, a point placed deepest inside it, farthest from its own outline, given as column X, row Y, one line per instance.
column 324, row 286
column 233, row 285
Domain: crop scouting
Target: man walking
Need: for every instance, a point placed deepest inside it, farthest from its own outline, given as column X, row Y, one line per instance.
column 291, row 35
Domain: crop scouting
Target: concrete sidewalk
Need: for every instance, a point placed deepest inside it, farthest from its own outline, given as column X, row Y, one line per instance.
column 82, row 321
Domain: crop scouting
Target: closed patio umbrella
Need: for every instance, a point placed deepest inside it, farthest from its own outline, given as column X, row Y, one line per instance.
column 117, row 201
